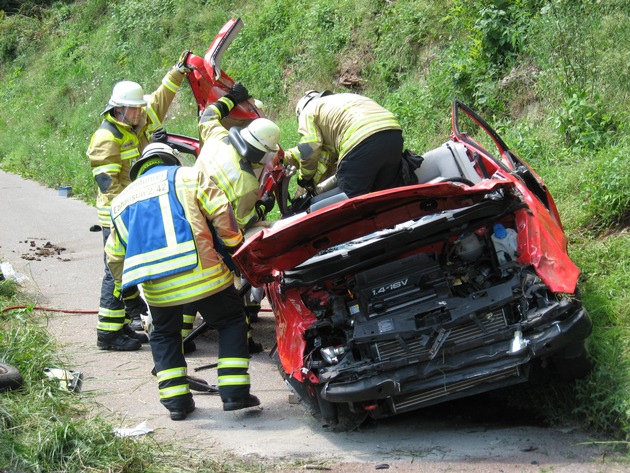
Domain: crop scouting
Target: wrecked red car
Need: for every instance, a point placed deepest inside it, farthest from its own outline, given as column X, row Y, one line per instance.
column 400, row 299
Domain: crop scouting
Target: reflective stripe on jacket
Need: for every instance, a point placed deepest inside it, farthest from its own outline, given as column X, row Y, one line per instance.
column 333, row 125
column 230, row 172
column 167, row 245
column 202, row 202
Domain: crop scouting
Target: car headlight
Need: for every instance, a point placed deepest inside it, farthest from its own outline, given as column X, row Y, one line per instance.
column 331, row 354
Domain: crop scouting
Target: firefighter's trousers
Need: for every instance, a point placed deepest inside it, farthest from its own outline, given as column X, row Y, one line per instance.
column 222, row 311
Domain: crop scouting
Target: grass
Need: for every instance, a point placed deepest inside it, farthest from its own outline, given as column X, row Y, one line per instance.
column 43, row 427
column 550, row 76
column 46, row 429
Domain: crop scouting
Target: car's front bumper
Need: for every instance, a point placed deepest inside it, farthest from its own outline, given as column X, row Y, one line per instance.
column 469, row 372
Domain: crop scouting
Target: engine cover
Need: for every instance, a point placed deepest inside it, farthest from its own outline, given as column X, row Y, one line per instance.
column 398, row 287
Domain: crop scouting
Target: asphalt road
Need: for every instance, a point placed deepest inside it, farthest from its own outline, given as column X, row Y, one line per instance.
column 46, row 239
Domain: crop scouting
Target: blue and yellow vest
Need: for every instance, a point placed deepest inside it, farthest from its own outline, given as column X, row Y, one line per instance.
column 162, row 242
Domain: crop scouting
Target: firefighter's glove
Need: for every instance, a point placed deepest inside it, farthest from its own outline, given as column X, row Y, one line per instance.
column 305, row 183
column 289, row 158
column 265, row 205
column 289, row 170
column 159, row 136
column 130, row 293
column 118, row 290
column 232, row 249
column 239, row 93
column 135, row 306
column 182, row 65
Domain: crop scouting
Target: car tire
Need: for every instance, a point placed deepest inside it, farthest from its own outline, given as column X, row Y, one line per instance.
column 574, row 362
column 348, row 420
column 10, row 377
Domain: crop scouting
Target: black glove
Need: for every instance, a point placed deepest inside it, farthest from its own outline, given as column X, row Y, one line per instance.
column 239, row 93
column 232, row 249
column 182, row 66
column 159, row 136
column 305, row 183
column 265, row 205
column 130, row 293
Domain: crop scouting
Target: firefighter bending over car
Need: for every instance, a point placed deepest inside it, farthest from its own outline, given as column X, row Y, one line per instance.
column 230, row 158
column 162, row 238
column 350, row 133
column 130, row 120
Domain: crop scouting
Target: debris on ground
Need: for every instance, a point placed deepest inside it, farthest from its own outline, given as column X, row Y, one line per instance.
column 37, row 252
column 69, row 380
column 140, row 429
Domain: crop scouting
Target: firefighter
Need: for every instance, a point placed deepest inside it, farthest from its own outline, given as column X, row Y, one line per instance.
column 130, row 120
column 162, row 239
column 230, row 158
column 350, row 133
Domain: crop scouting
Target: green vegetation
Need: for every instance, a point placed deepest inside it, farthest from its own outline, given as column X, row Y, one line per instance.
column 551, row 75
column 47, row 429
column 43, row 428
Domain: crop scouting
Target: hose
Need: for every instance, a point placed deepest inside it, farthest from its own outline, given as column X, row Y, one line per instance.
column 48, row 309
column 68, row 311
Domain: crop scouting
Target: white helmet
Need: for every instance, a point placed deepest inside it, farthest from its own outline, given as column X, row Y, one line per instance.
column 308, row 96
column 258, row 142
column 126, row 94
column 154, row 154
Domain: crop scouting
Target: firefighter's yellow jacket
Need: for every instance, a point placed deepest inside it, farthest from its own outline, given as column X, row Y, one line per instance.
column 331, row 126
column 202, row 202
column 219, row 159
column 115, row 146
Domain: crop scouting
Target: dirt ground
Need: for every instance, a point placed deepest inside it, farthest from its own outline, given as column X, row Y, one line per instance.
column 46, row 239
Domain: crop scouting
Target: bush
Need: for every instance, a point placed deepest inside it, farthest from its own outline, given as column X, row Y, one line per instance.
column 582, row 122
column 605, row 186
column 550, row 75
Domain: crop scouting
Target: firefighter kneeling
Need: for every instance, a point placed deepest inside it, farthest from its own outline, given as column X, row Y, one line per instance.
column 162, row 239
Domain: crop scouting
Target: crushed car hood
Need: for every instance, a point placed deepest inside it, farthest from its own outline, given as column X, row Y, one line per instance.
column 294, row 240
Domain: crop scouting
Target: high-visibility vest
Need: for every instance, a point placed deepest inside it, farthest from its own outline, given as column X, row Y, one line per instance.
column 150, row 209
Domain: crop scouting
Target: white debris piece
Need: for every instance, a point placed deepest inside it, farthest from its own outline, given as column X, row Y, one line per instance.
column 68, row 379
column 9, row 273
column 140, row 429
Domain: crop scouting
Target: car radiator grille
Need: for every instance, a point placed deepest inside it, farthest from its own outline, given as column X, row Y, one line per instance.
column 418, row 399
column 462, row 334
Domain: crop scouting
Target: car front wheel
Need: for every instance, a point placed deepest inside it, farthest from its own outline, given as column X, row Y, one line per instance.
column 574, row 362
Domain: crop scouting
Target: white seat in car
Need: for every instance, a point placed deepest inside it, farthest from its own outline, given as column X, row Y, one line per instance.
column 449, row 160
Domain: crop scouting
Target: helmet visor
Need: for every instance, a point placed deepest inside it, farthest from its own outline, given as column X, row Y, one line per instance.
column 253, row 140
column 268, row 156
column 131, row 115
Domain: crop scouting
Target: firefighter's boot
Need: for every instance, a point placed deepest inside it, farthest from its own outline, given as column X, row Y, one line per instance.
column 131, row 333
column 235, row 404
column 180, row 413
column 116, row 341
column 134, row 307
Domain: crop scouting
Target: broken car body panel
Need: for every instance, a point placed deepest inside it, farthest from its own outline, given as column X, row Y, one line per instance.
column 400, row 299
column 403, row 298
